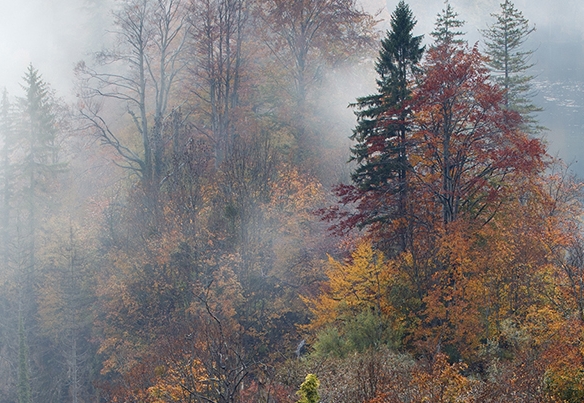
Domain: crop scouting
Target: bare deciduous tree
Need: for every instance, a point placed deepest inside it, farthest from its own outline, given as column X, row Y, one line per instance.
column 309, row 32
column 140, row 72
column 218, row 30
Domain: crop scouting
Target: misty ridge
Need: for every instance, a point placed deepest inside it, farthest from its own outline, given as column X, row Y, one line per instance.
column 279, row 201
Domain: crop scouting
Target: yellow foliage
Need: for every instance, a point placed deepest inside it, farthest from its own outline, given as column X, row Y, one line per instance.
column 358, row 285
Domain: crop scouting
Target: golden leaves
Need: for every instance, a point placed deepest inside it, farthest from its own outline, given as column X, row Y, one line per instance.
column 358, row 285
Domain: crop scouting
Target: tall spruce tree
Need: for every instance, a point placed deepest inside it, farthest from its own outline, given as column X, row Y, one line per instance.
column 40, row 163
column 446, row 27
column 381, row 151
column 35, row 178
column 509, row 61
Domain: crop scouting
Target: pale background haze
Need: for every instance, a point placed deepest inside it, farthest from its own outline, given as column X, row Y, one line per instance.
column 54, row 35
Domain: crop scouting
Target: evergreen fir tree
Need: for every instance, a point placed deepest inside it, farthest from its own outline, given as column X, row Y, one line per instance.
column 40, row 126
column 509, row 61
column 446, row 27
column 35, row 183
column 381, row 132
column 308, row 391
column 40, row 162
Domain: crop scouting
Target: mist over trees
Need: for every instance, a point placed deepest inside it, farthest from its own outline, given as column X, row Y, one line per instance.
column 189, row 230
column 510, row 61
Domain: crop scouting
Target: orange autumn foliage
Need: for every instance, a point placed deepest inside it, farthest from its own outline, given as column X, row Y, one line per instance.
column 491, row 251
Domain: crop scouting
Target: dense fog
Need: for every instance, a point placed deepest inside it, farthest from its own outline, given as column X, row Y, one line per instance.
column 55, row 35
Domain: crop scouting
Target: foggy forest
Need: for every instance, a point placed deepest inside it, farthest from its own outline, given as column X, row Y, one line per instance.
column 280, row 201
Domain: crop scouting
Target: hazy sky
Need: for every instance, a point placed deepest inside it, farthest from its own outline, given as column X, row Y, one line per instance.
column 564, row 16
column 52, row 35
column 55, row 34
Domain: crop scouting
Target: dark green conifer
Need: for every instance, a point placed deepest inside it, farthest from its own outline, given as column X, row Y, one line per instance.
column 381, row 151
